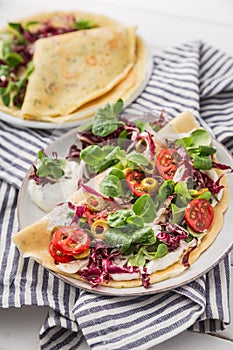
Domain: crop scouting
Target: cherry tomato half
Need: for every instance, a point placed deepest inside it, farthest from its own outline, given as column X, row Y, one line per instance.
column 199, row 214
column 133, row 180
column 70, row 240
column 58, row 256
column 167, row 163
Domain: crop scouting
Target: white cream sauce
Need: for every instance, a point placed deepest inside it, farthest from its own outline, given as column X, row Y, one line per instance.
column 48, row 196
column 125, row 276
column 169, row 259
column 73, row 267
column 157, row 264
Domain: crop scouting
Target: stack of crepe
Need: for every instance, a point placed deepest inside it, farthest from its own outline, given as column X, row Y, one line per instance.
column 76, row 71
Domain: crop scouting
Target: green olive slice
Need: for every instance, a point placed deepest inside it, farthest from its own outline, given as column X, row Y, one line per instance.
column 149, row 184
column 99, row 228
column 95, row 203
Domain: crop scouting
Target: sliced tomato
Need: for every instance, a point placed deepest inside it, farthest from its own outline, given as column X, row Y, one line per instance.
column 133, row 181
column 167, row 163
column 58, row 256
column 70, row 240
column 199, row 215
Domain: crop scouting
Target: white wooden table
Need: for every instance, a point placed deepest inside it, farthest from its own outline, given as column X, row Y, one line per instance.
column 162, row 23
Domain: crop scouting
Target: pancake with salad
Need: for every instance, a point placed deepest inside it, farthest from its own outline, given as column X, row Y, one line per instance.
column 150, row 199
column 55, row 65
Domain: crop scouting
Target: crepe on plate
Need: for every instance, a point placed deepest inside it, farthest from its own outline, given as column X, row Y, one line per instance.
column 78, row 70
column 33, row 241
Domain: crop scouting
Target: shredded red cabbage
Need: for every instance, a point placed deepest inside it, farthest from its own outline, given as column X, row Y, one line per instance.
column 101, row 265
column 78, row 211
column 186, row 163
column 172, row 235
column 222, row 166
column 185, row 259
column 74, row 152
column 213, row 186
column 92, row 190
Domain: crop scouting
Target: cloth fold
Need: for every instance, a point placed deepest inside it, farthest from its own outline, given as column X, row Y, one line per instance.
column 195, row 77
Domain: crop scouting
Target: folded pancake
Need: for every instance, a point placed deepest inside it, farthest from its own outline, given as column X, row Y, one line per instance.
column 126, row 84
column 72, row 69
column 33, row 241
column 125, row 89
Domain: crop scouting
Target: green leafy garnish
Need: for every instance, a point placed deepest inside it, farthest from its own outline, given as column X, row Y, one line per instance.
column 101, row 158
column 105, row 121
column 137, row 259
column 203, row 163
column 118, row 239
column 142, row 255
column 144, row 235
column 84, row 24
column 111, row 186
column 165, row 190
column 145, row 207
column 162, row 250
column 198, row 146
column 138, row 159
column 50, row 166
column 119, row 218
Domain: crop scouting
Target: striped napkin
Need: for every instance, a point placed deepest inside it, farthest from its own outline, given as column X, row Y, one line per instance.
column 193, row 77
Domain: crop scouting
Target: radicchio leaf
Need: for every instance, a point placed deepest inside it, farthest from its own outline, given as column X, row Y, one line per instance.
column 172, row 234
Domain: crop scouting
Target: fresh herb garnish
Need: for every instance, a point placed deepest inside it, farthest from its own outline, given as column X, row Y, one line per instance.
column 83, row 24
column 50, row 166
column 111, row 186
column 105, row 121
column 101, row 158
column 198, row 146
column 145, row 207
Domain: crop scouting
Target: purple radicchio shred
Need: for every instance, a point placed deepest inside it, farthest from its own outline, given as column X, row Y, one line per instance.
column 213, row 186
column 74, row 152
column 92, row 190
column 152, row 146
column 145, row 278
column 185, row 259
column 161, row 121
column 188, row 172
column 222, row 166
column 172, row 234
column 101, row 265
column 78, row 211
column 87, row 138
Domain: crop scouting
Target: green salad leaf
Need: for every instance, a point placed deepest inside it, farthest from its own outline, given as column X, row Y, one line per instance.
column 198, row 146
column 111, row 186
column 118, row 239
column 50, row 166
column 145, row 207
column 105, row 120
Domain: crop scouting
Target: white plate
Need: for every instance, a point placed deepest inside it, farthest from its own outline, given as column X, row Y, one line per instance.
column 83, row 115
column 220, row 247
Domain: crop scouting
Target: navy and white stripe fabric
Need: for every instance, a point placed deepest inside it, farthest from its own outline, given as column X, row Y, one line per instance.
column 193, row 76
